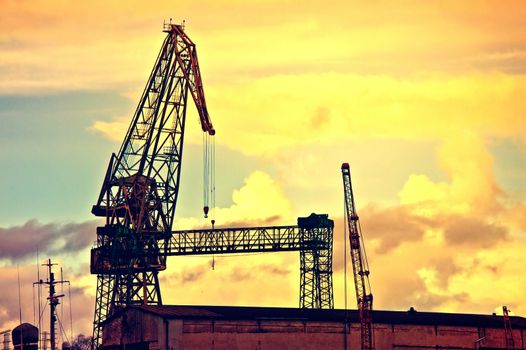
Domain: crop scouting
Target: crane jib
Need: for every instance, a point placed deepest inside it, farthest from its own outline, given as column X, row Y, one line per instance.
column 364, row 297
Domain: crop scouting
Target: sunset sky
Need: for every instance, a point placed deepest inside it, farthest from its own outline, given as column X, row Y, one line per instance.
column 425, row 99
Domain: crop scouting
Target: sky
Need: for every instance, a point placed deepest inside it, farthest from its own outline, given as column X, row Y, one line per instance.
column 424, row 100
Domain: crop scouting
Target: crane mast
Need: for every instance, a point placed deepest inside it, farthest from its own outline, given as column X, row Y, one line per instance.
column 140, row 189
column 360, row 267
column 508, row 331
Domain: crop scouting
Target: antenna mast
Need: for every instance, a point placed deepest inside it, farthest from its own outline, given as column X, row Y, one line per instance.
column 53, row 301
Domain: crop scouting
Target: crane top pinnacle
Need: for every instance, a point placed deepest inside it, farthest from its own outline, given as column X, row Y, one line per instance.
column 169, row 26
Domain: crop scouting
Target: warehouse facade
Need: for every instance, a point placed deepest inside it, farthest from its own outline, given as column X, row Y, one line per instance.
column 257, row 328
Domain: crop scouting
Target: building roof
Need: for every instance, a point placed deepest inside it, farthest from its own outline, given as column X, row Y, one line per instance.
column 410, row 317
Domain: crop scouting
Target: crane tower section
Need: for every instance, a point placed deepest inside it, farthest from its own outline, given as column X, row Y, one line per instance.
column 139, row 192
column 360, row 267
column 508, row 331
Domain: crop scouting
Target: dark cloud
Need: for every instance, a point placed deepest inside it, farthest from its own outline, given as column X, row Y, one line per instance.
column 189, row 276
column 11, row 43
column 501, row 58
column 431, row 301
column 392, row 225
column 20, row 242
column 445, row 268
column 474, row 232
column 477, row 265
column 395, row 225
column 242, row 273
column 275, row 269
column 405, row 290
column 232, row 273
column 399, row 292
column 388, row 228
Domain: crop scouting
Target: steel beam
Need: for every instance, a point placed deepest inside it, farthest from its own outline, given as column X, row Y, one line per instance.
column 313, row 240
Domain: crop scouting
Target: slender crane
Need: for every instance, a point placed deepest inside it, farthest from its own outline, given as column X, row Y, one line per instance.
column 508, row 331
column 360, row 267
column 139, row 192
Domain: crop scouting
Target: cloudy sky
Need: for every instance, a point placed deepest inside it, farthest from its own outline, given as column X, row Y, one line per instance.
column 425, row 100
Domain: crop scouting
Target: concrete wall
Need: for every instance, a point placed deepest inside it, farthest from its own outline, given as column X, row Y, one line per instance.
column 140, row 327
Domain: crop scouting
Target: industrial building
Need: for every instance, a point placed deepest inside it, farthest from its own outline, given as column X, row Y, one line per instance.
column 173, row 327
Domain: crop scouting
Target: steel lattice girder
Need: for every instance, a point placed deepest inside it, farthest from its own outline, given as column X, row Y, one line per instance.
column 313, row 238
column 314, row 243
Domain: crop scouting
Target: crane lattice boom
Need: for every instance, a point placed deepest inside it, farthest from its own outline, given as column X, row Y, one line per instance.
column 364, row 297
column 508, row 331
column 140, row 189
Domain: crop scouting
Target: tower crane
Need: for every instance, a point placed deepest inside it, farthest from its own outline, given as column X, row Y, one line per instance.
column 141, row 185
column 360, row 267
column 508, row 331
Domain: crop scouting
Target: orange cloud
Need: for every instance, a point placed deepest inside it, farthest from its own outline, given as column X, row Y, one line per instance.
column 52, row 45
column 269, row 115
column 281, row 78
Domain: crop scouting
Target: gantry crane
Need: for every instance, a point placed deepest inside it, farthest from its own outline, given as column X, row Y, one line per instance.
column 360, row 267
column 139, row 196
column 312, row 237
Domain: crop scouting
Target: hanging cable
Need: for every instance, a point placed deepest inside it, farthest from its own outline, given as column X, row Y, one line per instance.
column 62, row 292
column 39, row 302
column 43, row 310
column 40, row 311
column 42, row 332
column 213, row 179
column 62, row 331
column 366, row 260
column 19, row 297
column 34, row 306
column 70, row 313
column 345, row 253
column 206, row 173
